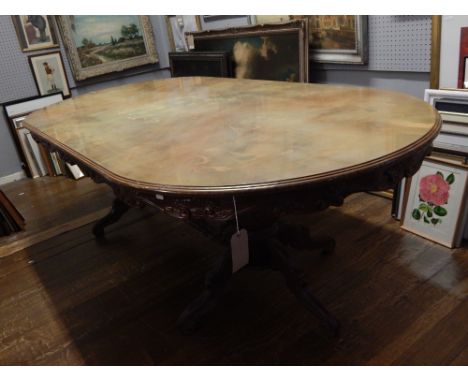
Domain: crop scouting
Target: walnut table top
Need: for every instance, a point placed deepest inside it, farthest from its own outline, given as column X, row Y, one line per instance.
column 219, row 135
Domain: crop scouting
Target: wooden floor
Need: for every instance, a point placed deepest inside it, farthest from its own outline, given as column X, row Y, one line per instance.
column 71, row 300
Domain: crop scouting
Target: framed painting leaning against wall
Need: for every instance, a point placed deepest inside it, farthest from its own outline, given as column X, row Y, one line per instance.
column 97, row 45
column 337, row 39
column 264, row 52
column 435, row 208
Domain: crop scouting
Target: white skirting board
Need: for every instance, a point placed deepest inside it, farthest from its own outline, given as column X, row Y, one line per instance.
column 12, row 177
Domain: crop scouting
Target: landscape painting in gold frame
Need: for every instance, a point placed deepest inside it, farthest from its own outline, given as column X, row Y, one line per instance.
column 98, row 45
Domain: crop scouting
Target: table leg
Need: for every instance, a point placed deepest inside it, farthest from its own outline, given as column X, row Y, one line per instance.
column 268, row 249
column 297, row 283
column 118, row 209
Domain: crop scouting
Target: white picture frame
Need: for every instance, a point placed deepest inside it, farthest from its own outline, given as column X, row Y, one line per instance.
column 436, row 205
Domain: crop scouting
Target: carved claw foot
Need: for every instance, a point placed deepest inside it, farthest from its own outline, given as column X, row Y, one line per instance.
column 215, row 285
column 118, row 209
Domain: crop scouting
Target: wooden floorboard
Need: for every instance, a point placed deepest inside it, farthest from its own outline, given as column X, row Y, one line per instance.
column 52, row 206
column 70, row 300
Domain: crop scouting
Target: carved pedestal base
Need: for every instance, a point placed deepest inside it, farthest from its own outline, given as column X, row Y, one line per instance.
column 267, row 248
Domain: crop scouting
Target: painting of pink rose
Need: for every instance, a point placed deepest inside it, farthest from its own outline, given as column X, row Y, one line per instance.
column 434, row 192
column 434, row 189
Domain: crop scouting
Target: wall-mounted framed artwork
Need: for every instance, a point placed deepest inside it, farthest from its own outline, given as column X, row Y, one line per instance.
column 435, row 207
column 208, row 64
column 49, row 73
column 270, row 52
column 35, row 32
column 337, row 39
column 177, row 26
column 98, row 45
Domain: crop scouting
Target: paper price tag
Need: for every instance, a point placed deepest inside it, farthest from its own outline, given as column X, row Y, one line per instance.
column 239, row 250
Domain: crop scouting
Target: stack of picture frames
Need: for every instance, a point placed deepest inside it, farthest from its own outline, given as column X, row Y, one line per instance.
column 36, row 159
column 433, row 202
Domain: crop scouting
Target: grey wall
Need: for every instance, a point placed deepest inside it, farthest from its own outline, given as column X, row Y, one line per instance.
column 16, row 80
column 413, row 83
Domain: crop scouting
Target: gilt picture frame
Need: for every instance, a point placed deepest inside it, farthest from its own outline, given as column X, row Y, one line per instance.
column 271, row 51
column 338, row 39
column 35, row 32
column 436, row 202
column 97, row 45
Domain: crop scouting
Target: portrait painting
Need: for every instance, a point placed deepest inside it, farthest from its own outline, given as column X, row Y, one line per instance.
column 49, row 73
column 436, row 203
column 340, row 39
column 35, row 32
column 273, row 52
column 98, row 45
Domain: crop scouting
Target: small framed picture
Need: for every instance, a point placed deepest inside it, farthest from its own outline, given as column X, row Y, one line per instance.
column 49, row 73
column 35, row 32
column 435, row 207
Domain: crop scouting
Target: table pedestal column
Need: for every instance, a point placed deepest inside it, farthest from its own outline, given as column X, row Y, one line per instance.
column 267, row 249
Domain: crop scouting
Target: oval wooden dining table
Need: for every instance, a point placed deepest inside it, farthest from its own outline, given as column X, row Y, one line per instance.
column 206, row 149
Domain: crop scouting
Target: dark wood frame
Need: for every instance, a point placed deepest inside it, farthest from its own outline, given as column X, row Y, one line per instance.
column 266, row 29
column 63, row 68
column 222, row 58
column 22, row 38
column 13, row 128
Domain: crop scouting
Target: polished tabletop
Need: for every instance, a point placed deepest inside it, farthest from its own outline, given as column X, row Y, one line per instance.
column 218, row 134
